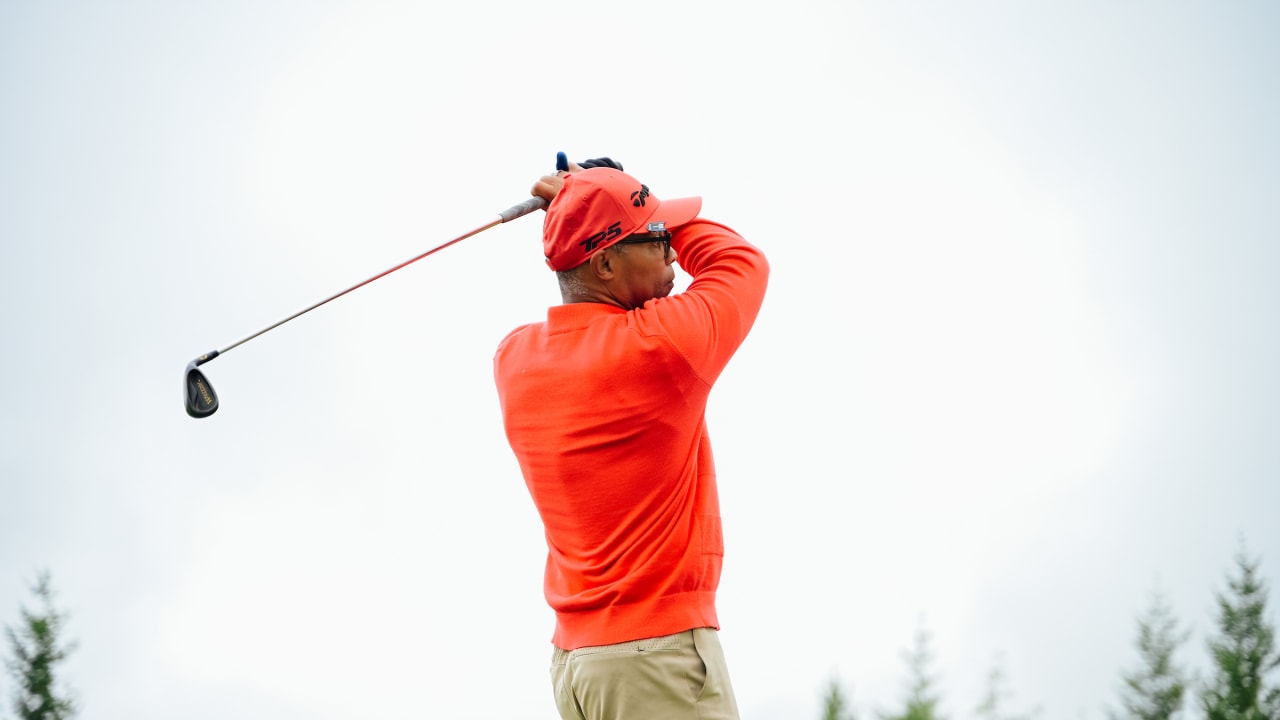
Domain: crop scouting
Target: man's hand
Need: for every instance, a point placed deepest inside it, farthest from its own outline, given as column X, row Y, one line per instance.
column 548, row 186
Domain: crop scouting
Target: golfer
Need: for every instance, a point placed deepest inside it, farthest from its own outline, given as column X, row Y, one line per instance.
column 604, row 406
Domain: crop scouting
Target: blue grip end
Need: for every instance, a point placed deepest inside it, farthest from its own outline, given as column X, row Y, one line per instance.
column 562, row 162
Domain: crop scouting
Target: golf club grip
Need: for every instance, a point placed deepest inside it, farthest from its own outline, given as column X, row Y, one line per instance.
column 524, row 208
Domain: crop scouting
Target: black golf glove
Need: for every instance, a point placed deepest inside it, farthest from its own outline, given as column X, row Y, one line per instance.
column 600, row 162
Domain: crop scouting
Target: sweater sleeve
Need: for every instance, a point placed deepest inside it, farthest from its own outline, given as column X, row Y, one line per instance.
column 710, row 320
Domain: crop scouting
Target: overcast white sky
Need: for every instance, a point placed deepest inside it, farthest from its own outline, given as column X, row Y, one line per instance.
column 1016, row 371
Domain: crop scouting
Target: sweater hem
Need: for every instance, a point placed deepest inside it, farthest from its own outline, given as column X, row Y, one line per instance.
column 638, row 621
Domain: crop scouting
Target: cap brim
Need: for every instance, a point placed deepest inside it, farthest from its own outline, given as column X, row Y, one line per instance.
column 677, row 211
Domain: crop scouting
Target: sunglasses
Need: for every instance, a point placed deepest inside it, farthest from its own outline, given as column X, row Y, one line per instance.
column 662, row 236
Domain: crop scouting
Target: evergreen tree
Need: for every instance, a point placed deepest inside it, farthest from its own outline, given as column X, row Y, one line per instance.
column 35, row 648
column 993, row 703
column 834, row 705
column 922, row 701
column 1244, row 652
column 1155, row 690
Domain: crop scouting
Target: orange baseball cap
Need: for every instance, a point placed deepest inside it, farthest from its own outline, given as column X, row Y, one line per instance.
column 598, row 207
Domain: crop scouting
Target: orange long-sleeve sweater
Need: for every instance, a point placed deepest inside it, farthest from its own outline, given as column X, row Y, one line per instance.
column 605, row 411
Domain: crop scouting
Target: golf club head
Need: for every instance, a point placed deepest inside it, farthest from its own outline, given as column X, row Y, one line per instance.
column 202, row 401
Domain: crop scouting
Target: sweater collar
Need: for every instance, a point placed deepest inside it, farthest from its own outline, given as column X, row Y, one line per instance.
column 573, row 316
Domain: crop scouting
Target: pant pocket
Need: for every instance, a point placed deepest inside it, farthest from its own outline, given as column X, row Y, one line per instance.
column 716, row 700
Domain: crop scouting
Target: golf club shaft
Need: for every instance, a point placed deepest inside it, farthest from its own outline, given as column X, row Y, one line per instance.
column 507, row 215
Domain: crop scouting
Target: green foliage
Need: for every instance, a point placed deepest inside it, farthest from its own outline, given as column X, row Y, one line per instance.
column 992, row 705
column 1244, row 652
column 834, row 705
column 921, row 701
column 1155, row 690
column 36, row 651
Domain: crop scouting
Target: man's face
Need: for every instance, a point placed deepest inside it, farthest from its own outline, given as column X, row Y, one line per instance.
column 643, row 269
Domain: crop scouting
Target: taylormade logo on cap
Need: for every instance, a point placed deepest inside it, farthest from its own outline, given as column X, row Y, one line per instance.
column 638, row 197
column 600, row 206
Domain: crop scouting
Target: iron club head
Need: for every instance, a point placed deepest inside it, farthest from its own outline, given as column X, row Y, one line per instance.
column 202, row 401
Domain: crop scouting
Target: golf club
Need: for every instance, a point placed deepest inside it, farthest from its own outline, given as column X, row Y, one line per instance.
column 202, row 401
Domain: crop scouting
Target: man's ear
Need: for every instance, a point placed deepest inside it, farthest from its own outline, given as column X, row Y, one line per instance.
column 600, row 266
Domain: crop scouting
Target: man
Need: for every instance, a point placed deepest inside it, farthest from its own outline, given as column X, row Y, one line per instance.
column 604, row 406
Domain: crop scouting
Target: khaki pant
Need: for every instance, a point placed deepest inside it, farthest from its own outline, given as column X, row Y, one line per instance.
column 675, row 677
